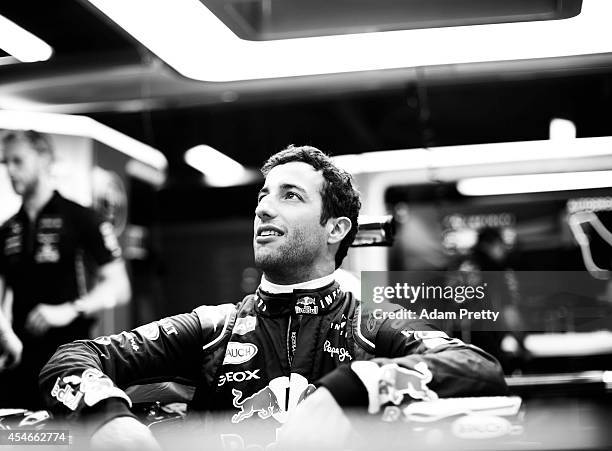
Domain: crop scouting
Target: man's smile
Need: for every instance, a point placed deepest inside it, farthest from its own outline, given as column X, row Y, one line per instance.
column 267, row 233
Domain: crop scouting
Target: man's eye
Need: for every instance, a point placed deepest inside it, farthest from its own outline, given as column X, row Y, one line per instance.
column 292, row 195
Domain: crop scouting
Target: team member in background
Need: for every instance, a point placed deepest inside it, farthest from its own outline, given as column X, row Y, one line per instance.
column 44, row 249
column 296, row 352
column 489, row 263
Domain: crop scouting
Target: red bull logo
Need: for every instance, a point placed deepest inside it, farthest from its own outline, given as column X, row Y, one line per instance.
column 306, row 300
column 306, row 305
column 274, row 400
column 396, row 382
column 263, row 403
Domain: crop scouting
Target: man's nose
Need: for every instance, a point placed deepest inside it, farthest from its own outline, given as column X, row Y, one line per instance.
column 265, row 208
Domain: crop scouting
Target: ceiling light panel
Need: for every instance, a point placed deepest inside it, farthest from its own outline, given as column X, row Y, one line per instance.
column 21, row 44
column 67, row 124
column 191, row 39
column 263, row 20
column 534, row 183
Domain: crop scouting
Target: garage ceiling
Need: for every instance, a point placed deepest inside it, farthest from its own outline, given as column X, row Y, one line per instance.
column 99, row 70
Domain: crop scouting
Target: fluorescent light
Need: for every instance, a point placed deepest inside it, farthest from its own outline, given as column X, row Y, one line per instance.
column 145, row 173
column 218, row 168
column 561, row 130
column 198, row 45
column 67, row 124
column 472, row 156
column 22, row 44
column 534, row 183
column 210, row 161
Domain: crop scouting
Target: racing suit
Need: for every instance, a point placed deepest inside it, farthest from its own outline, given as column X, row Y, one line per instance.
column 260, row 358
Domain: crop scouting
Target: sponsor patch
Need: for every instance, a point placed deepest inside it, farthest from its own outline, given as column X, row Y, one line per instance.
column 51, row 222
column 104, row 340
column 307, row 306
column 16, row 227
column 149, row 331
column 91, row 386
column 431, row 338
column 238, row 376
column 276, row 400
column 407, row 333
column 12, row 245
column 238, row 353
column 479, row 427
column 67, row 395
column 244, row 325
column 168, row 327
column 341, row 353
column 396, row 381
column 96, row 386
column 48, row 251
column 340, row 327
column 132, row 339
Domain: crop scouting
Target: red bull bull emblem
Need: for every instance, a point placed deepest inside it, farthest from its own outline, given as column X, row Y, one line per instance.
column 395, row 382
column 306, row 305
column 272, row 400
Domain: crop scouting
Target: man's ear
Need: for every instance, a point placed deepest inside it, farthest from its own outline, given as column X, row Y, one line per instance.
column 339, row 227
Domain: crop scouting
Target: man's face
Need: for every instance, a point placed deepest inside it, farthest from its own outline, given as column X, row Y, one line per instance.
column 25, row 166
column 288, row 239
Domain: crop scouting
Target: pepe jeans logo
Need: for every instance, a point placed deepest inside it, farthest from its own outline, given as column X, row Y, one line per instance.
column 237, row 353
column 342, row 353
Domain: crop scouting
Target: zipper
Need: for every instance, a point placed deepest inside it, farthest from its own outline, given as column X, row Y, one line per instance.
column 289, row 347
column 292, row 335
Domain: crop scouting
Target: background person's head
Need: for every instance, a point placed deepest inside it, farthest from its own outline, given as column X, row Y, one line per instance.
column 491, row 243
column 307, row 212
column 28, row 156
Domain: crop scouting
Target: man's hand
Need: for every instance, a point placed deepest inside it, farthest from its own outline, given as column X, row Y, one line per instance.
column 44, row 316
column 124, row 434
column 318, row 422
column 11, row 349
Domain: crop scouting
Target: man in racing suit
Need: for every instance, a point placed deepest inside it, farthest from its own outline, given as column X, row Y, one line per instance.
column 299, row 345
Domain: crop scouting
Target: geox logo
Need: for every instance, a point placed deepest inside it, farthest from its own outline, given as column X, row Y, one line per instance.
column 238, row 376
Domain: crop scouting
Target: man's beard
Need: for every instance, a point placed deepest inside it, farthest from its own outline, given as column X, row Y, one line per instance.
column 287, row 262
column 25, row 188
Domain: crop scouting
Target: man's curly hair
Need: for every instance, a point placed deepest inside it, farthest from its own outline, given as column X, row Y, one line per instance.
column 340, row 197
